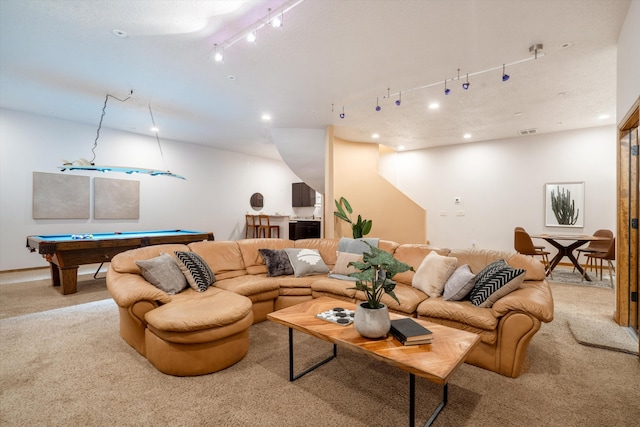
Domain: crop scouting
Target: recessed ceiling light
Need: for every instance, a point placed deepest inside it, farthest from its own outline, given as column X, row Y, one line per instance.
column 266, row 117
column 231, row 77
column 603, row 116
column 375, row 135
column 467, row 136
column 154, row 129
column 566, row 45
column 519, row 113
column 434, row 106
column 120, row 33
column 400, row 147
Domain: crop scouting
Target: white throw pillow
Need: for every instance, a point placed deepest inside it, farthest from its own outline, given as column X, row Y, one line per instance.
column 433, row 273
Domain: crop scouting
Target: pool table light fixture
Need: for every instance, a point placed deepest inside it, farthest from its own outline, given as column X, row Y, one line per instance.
column 86, row 165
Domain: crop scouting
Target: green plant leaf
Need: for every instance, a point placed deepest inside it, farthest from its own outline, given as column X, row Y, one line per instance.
column 346, row 204
column 366, row 227
column 340, row 213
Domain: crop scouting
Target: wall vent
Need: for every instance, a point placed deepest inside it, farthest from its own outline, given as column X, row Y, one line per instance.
column 527, row 131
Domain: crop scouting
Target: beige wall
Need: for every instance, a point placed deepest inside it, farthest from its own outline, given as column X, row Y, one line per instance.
column 353, row 174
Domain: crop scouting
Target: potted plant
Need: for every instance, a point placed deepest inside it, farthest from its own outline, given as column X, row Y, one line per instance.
column 371, row 319
column 360, row 228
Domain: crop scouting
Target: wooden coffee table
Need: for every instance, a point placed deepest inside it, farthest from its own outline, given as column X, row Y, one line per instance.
column 435, row 362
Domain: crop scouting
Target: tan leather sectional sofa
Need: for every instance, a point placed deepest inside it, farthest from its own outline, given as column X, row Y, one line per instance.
column 193, row 333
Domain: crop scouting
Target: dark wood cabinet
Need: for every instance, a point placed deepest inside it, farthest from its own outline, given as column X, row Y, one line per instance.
column 302, row 195
column 304, row 230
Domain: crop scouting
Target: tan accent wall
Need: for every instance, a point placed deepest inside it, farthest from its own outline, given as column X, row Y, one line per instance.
column 352, row 172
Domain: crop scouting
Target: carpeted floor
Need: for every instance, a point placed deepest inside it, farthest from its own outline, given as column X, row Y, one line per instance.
column 69, row 366
column 32, row 296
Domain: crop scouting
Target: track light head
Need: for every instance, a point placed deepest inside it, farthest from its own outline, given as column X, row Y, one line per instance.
column 446, row 91
column 505, row 76
column 466, row 84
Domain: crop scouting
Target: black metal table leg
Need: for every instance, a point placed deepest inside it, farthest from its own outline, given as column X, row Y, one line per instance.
column 412, row 402
column 292, row 376
column 98, row 271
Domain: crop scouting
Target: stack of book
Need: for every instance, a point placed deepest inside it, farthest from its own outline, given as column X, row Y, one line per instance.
column 410, row 332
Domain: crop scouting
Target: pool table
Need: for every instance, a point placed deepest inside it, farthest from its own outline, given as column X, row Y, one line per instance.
column 66, row 252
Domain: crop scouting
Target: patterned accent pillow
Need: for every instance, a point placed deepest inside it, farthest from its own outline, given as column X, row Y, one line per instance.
column 433, row 273
column 196, row 270
column 459, row 284
column 495, row 281
column 306, row 262
column 277, row 262
column 164, row 273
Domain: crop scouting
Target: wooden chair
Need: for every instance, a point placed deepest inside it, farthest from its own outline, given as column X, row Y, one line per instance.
column 541, row 247
column 609, row 256
column 265, row 228
column 524, row 245
column 597, row 245
column 251, row 224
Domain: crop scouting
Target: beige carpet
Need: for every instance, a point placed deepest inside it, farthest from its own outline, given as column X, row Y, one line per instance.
column 69, row 367
column 32, row 296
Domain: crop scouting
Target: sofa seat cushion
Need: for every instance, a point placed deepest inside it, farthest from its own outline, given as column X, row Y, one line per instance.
column 291, row 285
column 340, row 289
column 258, row 287
column 487, row 337
column 199, row 315
column 459, row 311
column 409, row 297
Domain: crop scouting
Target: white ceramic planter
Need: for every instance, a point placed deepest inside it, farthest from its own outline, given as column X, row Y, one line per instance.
column 372, row 322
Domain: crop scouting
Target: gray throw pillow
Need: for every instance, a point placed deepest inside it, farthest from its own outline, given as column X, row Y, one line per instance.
column 459, row 284
column 277, row 262
column 163, row 273
column 306, row 262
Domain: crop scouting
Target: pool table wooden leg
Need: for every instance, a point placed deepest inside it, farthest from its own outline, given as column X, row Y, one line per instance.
column 66, row 278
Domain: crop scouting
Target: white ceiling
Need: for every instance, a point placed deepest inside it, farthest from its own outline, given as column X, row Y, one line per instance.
column 60, row 59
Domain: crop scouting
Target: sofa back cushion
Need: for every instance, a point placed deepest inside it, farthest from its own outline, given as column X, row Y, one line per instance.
column 253, row 261
column 125, row 262
column 413, row 254
column 388, row 245
column 478, row 259
column 223, row 258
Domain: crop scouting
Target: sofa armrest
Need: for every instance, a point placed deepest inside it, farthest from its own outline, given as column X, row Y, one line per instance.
column 534, row 297
column 128, row 288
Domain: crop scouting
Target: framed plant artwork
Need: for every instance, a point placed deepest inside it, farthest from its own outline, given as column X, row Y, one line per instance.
column 564, row 204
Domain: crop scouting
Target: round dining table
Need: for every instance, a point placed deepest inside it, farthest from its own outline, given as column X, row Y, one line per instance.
column 566, row 244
